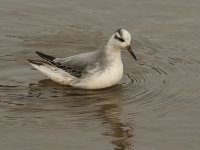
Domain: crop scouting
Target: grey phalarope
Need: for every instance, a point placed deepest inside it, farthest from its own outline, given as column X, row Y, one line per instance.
column 93, row 70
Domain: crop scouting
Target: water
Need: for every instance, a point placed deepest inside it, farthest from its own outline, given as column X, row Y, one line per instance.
column 155, row 106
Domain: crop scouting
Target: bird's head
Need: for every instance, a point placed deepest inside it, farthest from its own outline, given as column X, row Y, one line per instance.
column 122, row 39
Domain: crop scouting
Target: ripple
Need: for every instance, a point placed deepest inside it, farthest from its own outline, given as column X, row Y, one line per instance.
column 157, row 86
column 154, row 85
column 150, row 86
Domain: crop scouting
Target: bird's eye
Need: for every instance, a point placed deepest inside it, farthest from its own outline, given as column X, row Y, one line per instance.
column 121, row 40
column 118, row 38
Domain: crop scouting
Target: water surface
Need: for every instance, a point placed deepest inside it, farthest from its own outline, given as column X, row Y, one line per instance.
column 155, row 106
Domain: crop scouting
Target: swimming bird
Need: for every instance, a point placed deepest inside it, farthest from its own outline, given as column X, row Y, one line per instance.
column 94, row 70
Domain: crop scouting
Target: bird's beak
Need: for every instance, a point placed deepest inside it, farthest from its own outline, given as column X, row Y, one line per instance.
column 128, row 47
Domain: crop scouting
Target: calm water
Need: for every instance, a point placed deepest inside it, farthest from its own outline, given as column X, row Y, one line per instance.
column 156, row 106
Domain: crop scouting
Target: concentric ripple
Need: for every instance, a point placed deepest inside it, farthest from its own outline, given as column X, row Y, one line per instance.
column 159, row 85
column 156, row 85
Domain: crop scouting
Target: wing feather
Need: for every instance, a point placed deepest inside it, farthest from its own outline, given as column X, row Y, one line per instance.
column 76, row 65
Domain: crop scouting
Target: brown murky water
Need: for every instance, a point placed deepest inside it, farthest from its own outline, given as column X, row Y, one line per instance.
column 155, row 107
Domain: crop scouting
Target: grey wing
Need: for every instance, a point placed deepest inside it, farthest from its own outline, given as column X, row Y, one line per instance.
column 78, row 65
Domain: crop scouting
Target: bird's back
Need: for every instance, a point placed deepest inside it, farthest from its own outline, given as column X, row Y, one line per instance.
column 82, row 63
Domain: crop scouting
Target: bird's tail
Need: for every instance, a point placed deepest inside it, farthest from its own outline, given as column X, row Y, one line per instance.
column 54, row 73
column 46, row 57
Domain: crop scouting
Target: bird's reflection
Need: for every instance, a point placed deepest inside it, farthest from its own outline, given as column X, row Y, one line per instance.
column 108, row 107
column 110, row 110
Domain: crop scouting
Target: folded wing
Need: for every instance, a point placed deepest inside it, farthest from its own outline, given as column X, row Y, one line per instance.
column 76, row 66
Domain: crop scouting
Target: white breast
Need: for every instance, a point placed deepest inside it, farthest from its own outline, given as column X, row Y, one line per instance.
column 105, row 78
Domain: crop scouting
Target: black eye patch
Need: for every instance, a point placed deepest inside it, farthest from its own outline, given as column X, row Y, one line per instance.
column 118, row 38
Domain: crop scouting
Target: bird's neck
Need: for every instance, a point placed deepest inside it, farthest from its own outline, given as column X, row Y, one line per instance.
column 112, row 53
